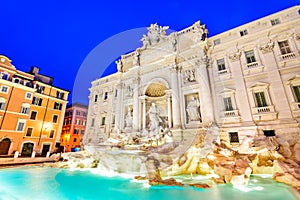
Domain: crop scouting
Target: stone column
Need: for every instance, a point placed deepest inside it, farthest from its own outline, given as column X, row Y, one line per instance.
column 135, row 118
column 118, row 106
column 144, row 113
column 206, row 105
column 175, row 97
column 169, row 110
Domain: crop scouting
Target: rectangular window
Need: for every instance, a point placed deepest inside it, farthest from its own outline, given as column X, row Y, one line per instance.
column 4, row 89
column 297, row 92
column 29, row 132
column 269, row 133
column 284, row 47
column 84, row 114
column 217, row 41
column 105, row 95
column 84, row 123
column 275, row 21
column 75, row 139
column 5, row 76
column 244, row 32
column 76, row 131
column 221, row 64
column 103, row 121
column 52, row 134
column 96, row 98
column 234, row 137
column 116, row 93
column 82, row 132
column 77, row 122
column 250, row 57
column 57, row 106
column 28, row 95
column 260, row 99
column 55, row 118
column 77, row 112
column 2, row 105
column 24, row 110
column 39, row 88
column 59, row 95
column 20, row 126
column 33, row 115
column 227, row 104
column 93, row 122
column 37, row 101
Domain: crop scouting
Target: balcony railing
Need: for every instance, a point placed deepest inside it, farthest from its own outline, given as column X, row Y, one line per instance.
column 231, row 113
column 288, row 56
column 253, row 64
column 224, row 71
column 265, row 109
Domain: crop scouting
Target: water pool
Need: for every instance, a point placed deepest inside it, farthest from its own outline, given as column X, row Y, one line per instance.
column 51, row 183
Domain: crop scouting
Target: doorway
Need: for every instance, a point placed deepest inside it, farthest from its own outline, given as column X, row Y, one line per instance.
column 27, row 149
column 46, row 148
column 4, row 146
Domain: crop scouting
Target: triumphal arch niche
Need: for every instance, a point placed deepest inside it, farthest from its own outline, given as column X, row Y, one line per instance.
column 162, row 85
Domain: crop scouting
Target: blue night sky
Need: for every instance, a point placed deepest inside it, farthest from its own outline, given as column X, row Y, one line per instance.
column 69, row 38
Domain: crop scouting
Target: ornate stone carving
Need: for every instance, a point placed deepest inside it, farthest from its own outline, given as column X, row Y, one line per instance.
column 235, row 57
column 202, row 61
column 155, row 35
column 200, row 31
column 119, row 65
column 192, row 109
column 128, row 118
column 267, row 47
column 189, row 75
column 136, row 57
column 173, row 39
column 297, row 37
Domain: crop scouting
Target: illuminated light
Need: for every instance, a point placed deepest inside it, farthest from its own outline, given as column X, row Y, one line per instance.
column 258, row 188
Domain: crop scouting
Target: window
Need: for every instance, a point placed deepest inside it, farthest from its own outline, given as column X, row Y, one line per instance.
column 33, row 115
column 93, row 122
column 40, row 89
column 244, row 32
column 96, row 98
column 51, row 134
column 250, row 56
column 275, row 21
column 57, row 106
column 2, row 105
column 4, row 89
column 76, row 131
column 28, row 95
column 29, row 132
column 221, row 64
column 217, row 41
column 55, row 118
column 284, row 47
column 77, row 112
column 84, row 114
column 269, row 133
column 260, row 99
column 20, row 125
column 59, row 95
column 103, row 121
column 105, row 95
column 227, row 104
column 116, row 93
column 234, row 137
column 84, row 123
column 25, row 109
column 82, row 132
column 5, row 76
column 77, row 122
column 16, row 80
column 297, row 92
column 75, row 139
column 37, row 101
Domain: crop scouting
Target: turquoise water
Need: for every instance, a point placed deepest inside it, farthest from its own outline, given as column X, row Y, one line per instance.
column 51, row 183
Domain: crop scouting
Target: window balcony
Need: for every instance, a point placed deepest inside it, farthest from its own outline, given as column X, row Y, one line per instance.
column 253, row 68
column 288, row 56
column 231, row 116
column 264, row 113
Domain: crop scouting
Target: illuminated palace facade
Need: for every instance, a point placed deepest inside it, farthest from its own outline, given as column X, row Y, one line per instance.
column 31, row 111
column 244, row 82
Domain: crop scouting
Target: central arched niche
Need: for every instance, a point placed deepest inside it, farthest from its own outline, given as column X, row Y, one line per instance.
column 156, row 89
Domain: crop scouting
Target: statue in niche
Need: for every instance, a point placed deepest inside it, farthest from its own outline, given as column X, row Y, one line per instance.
column 136, row 58
column 129, row 91
column 128, row 118
column 119, row 65
column 190, row 75
column 155, row 119
column 193, row 110
column 155, row 34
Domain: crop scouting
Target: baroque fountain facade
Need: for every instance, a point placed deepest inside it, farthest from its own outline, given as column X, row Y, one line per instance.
column 184, row 103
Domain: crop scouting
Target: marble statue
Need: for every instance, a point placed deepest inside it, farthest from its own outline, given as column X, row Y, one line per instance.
column 136, row 58
column 128, row 119
column 190, row 76
column 119, row 65
column 155, row 119
column 193, row 110
column 155, row 35
column 173, row 39
column 201, row 31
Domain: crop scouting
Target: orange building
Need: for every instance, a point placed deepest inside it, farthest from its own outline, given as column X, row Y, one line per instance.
column 31, row 111
column 74, row 126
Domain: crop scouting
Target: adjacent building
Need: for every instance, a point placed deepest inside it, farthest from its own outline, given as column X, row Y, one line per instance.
column 31, row 111
column 74, row 127
column 244, row 82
